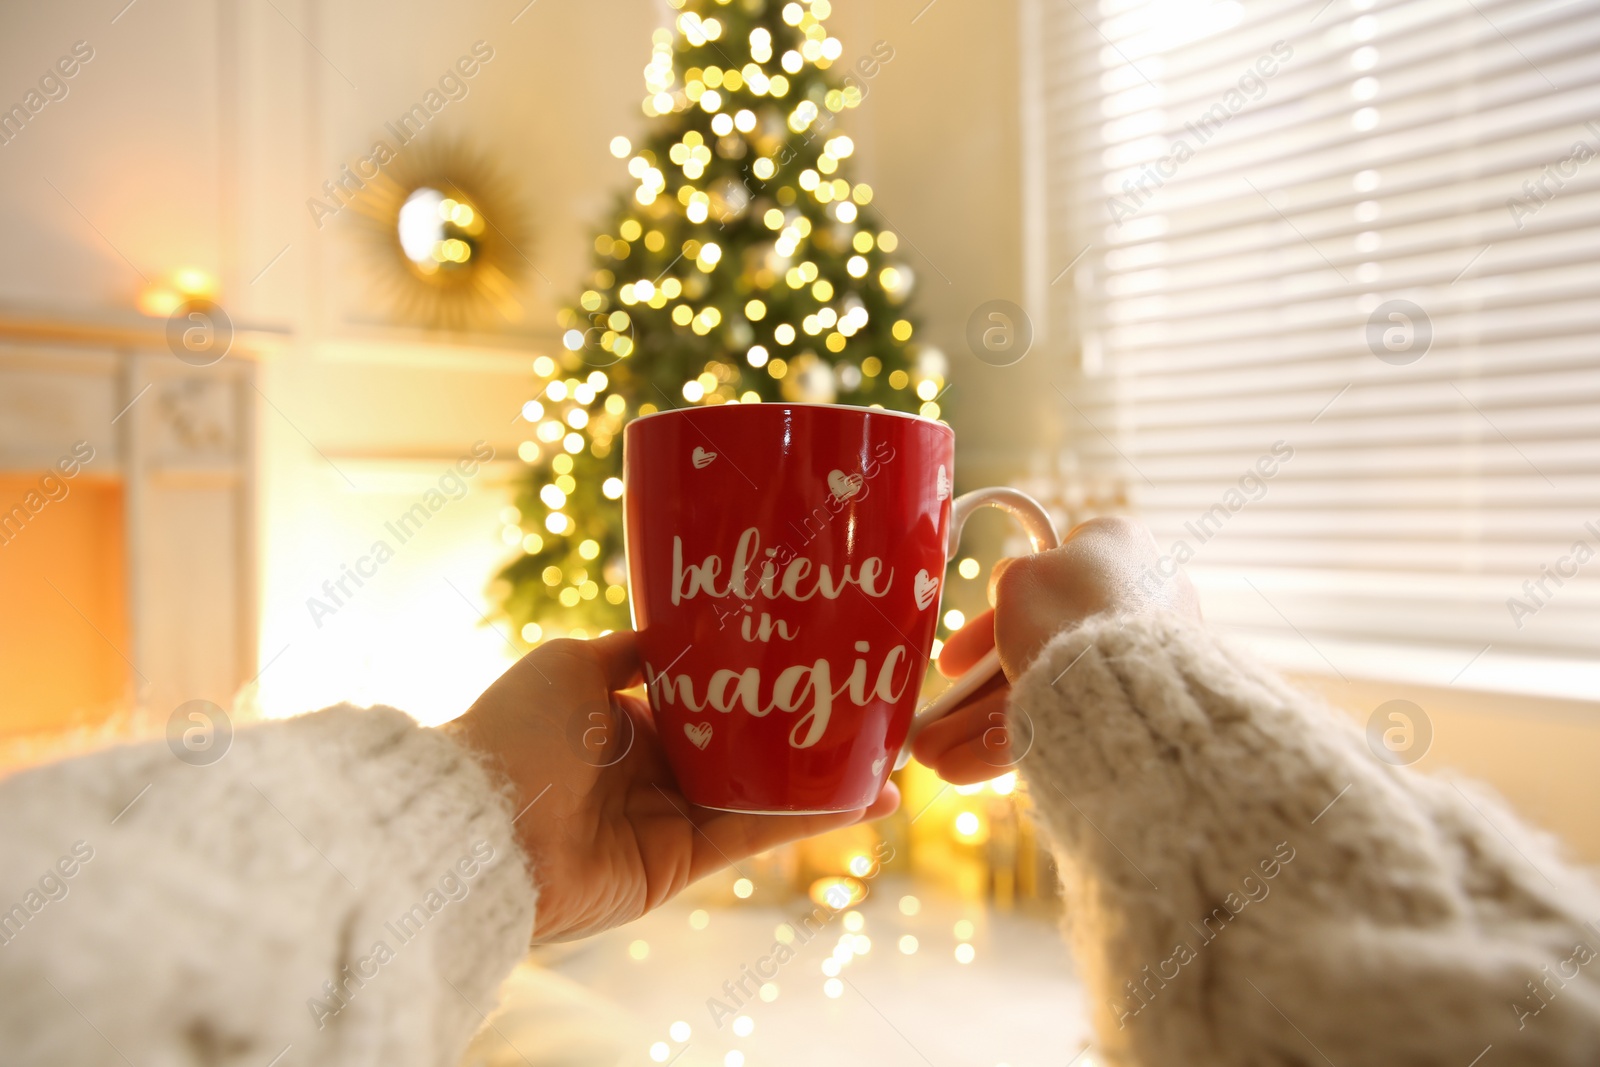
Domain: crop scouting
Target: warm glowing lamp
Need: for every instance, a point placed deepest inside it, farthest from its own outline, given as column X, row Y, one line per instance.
column 160, row 299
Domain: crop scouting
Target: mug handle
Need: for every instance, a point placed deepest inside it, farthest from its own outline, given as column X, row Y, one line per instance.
column 1042, row 536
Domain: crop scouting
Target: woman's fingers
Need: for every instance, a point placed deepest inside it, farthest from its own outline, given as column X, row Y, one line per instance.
column 970, row 764
column 967, row 645
column 886, row 804
column 968, row 724
column 976, row 742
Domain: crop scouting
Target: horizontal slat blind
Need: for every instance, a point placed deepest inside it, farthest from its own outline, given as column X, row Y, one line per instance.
column 1243, row 193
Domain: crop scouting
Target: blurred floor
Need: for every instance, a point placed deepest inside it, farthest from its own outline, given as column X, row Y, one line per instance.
column 1016, row 1003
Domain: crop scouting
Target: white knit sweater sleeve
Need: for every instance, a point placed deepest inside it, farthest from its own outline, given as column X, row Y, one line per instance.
column 1246, row 884
column 344, row 885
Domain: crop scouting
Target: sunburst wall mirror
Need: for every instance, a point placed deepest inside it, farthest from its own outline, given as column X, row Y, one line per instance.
column 447, row 238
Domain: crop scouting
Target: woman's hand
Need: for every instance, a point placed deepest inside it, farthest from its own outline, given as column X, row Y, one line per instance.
column 608, row 833
column 1104, row 565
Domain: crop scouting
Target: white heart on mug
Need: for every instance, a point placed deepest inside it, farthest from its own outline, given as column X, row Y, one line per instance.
column 698, row 733
column 942, row 483
column 926, row 587
column 701, row 458
column 877, row 765
column 844, row 486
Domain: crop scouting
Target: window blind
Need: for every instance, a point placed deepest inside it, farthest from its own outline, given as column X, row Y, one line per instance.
column 1322, row 280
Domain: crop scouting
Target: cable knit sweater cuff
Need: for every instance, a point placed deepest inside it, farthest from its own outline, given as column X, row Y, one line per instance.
column 346, row 882
column 1160, row 702
column 1147, row 737
column 1245, row 883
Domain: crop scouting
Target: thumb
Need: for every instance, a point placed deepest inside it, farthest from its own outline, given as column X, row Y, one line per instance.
column 999, row 568
column 618, row 656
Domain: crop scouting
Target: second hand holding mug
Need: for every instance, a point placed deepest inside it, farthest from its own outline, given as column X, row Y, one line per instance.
column 786, row 564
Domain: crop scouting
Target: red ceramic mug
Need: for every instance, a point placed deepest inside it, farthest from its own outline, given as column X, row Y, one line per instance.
column 786, row 564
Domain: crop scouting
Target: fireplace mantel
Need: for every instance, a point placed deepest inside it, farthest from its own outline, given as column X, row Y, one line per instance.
column 146, row 567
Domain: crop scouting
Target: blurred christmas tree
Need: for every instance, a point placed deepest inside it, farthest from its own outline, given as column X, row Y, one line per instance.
column 742, row 267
